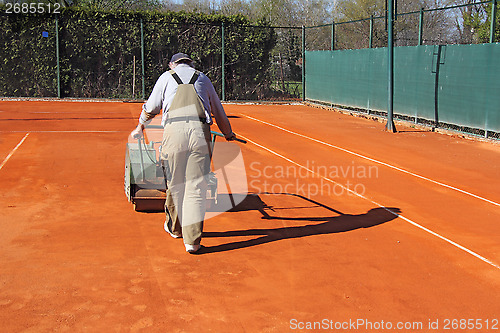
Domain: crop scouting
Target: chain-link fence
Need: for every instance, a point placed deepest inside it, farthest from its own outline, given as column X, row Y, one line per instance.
column 435, row 81
column 28, row 56
column 285, row 71
column 447, row 25
column 82, row 54
column 97, row 57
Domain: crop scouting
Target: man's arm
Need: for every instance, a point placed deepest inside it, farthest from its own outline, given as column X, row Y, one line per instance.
column 151, row 108
column 219, row 113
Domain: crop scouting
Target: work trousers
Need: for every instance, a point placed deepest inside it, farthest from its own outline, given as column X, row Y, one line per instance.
column 185, row 155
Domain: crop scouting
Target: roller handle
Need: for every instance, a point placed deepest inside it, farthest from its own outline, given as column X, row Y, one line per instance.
column 213, row 132
column 222, row 135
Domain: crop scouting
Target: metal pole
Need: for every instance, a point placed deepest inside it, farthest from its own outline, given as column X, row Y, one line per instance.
column 371, row 32
column 133, row 80
column 143, row 62
column 143, row 170
column 332, row 47
column 223, row 66
column 303, row 63
column 58, row 68
column 436, row 88
column 386, row 11
column 493, row 20
column 421, row 27
column 390, row 68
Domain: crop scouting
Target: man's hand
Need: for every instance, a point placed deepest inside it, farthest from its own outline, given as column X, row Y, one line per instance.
column 137, row 132
column 231, row 137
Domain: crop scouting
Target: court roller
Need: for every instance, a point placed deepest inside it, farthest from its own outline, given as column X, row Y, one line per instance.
column 144, row 181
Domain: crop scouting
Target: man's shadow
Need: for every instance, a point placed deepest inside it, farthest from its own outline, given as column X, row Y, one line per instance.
column 335, row 224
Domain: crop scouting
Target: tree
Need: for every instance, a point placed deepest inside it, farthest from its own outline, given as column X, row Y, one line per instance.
column 355, row 35
column 484, row 30
column 438, row 25
column 468, row 19
column 234, row 7
column 474, row 23
column 201, row 6
column 293, row 12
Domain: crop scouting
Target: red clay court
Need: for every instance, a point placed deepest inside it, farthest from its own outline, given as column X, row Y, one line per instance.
column 416, row 249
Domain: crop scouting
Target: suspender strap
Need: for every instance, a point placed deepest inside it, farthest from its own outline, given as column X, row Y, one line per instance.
column 175, row 76
column 194, row 77
column 178, row 79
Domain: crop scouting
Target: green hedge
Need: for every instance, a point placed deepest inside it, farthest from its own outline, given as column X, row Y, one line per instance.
column 97, row 50
column 28, row 62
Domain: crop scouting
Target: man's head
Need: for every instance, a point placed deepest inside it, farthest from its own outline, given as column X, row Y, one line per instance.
column 180, row 58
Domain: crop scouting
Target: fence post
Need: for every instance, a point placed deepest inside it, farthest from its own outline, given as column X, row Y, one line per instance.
column 223, row 66
column 421, row 26
column 390, row 127
column 332, row 47
column 58, row 69
column 436, row 87
column 493, row 20
column 371, row 32
column 385, row 16
column 142, row 60
column 303, row 63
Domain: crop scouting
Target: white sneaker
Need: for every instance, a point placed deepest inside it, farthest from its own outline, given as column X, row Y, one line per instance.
column 165, row 226
column 192, row 248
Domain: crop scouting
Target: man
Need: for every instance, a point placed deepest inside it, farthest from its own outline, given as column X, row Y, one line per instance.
column 188, row 100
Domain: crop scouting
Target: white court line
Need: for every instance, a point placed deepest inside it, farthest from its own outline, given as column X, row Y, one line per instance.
column 68, row 112
column 66, row 131
column 377, row 161
column 478, row 256
column 14, row 150
column 63, row 112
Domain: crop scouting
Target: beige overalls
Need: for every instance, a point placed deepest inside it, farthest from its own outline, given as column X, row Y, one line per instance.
column 185, row 154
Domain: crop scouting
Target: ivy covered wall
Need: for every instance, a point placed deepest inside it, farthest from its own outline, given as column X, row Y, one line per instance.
column 99, row 52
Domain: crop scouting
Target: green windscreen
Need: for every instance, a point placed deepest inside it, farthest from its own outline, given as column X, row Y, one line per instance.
column 457, row 84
